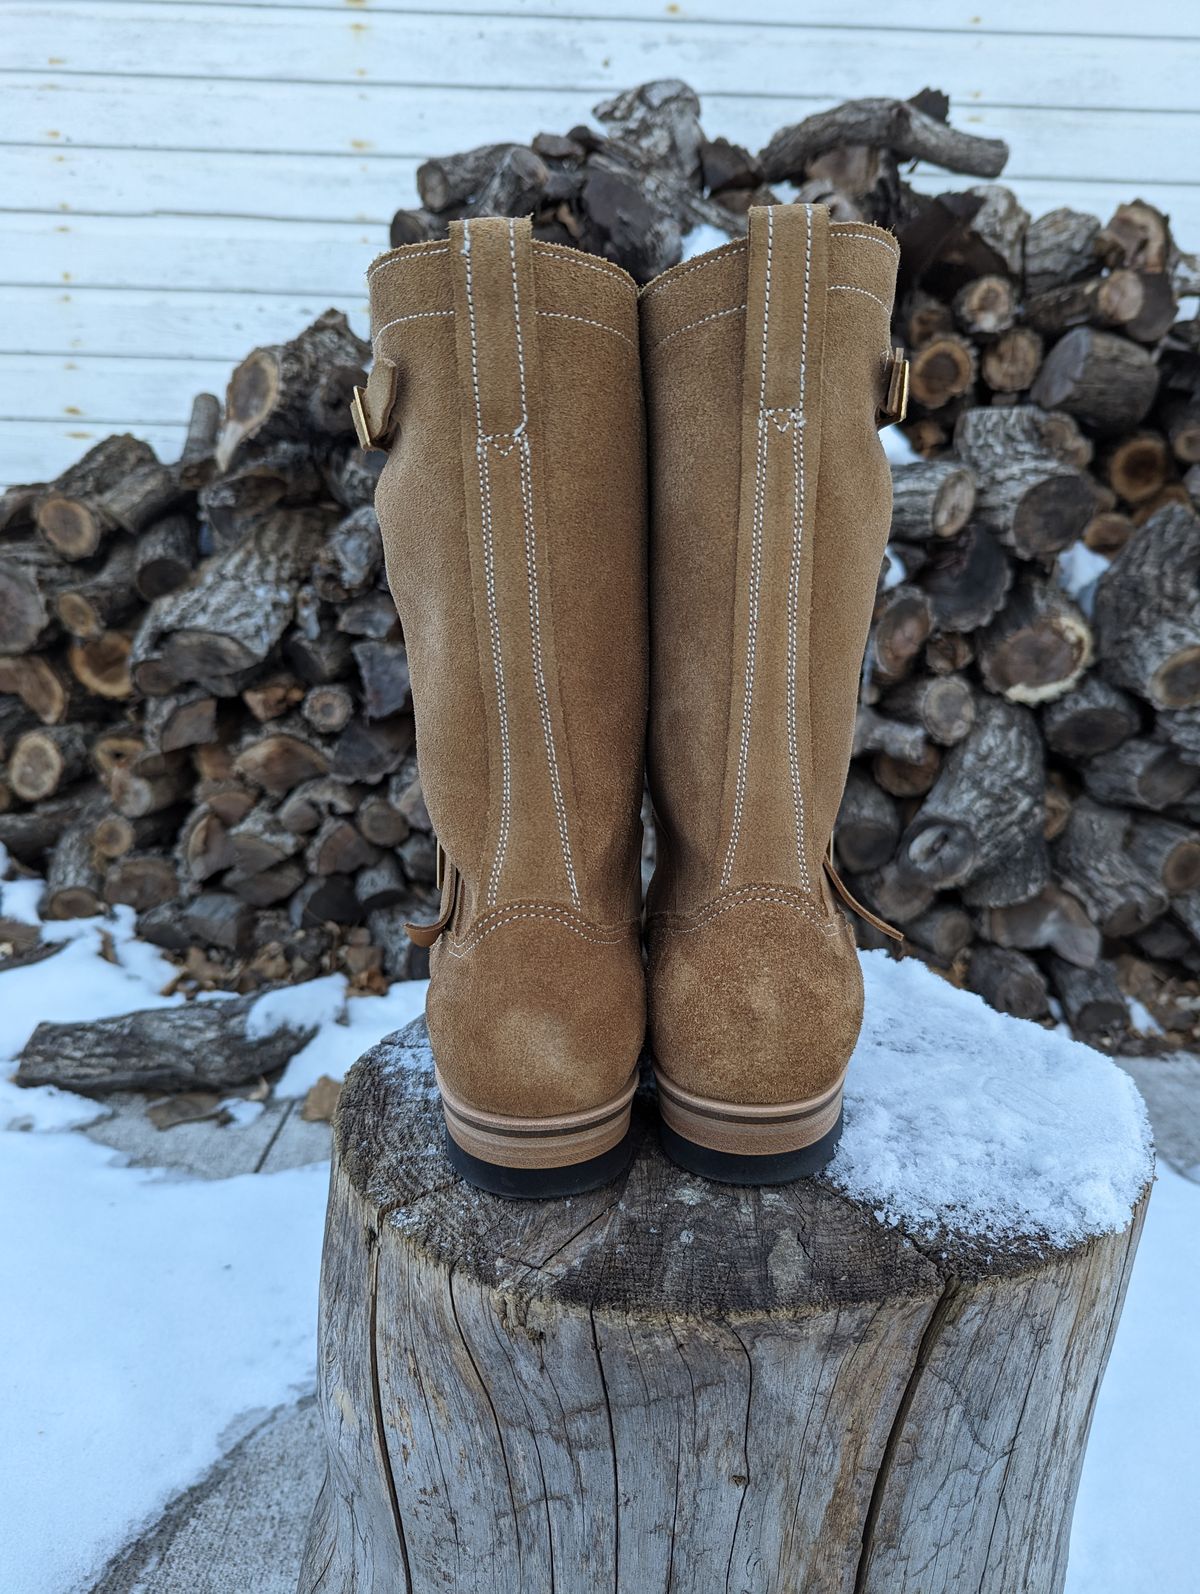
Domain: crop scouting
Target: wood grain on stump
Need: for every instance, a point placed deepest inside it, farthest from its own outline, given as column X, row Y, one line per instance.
column 672, row 1385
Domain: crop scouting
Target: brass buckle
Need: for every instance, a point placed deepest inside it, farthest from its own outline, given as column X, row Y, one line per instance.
column 895, row 403
column 358, row 414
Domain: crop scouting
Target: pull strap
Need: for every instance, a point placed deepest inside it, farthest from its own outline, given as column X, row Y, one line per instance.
column 852, row 902
column 371, row 406
column 447, row 878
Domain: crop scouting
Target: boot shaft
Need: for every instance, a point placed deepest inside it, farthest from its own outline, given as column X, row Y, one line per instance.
column 512, row 506
column 766, row 363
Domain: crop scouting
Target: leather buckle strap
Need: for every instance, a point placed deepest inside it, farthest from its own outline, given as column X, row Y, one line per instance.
column 852, row 902
column 895, row 395
column 447, row 880
column 371, row 406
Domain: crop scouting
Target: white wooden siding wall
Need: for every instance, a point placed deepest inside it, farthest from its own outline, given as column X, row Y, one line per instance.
column 183, row 179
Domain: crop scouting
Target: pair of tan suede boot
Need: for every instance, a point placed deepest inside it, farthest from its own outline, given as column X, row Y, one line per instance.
column 629, row 531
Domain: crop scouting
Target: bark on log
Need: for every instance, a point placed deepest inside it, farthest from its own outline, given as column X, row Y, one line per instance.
column 236, row 609
column 1092, row 1000
column 91, row 602
column 198, row 461
column 931, row 498
column 101, row 665
column 1168, row 852
column 1011, row 364
column 73, row 880
column 1054, row 920
column 72, row 516
column 45, row 760
column 164, row 557
column 1147, row 612
column 42, row 685
column 942, row 369
column 197, row 1046
column 1140, row 774
column 140, row 881
column 987, row 801
column 1033, row 501
column 1093, row 860
column 1059, row 247
column 31, row 577
column 297, row 389
column 868, row 825
column 1105, row 381
column 894, row 125
column 488, row 1371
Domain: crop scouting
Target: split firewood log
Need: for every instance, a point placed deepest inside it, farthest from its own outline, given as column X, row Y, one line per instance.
column 1028, row 497
column 140, row 881
column 260, row 841
column 903, row 622
column 1059, row 247
column 198, row 1045
column 1012, row 362
column 931, row 498
column 986, row 805
column 270, row 697
column 306, row 805
column 380, row 822
column 328, row 709
column 904, row 777
column 203, row 848
column 101, row 665
column 348, row 562
column 93, row 601
column 164, row 556
column 1181, row 727
column 236, row 609
column 74, row 882
column 297, row 389
column 986, row 306
column 368, row 752
column 967, row 580
column 383, row 670
column 47, row 759
column 263, row 888
column 352, row 477
column 1147, row 612
column 874, row 733
column 114, row 835
column 942, row 369
column 198, row 460
column 41, row 683
column 150, row 783
column 895, row 125
column 338, row 848
column 1142, row 774
column 31, row 578
column 944, row 932
column 942, row 705
column 1053, row 920
column 868, row 825
column 1137, row 235
column 382, row 884
column 1168, row 852
column 73, row 515
column 325, row 899
column 1038, row 647
column 1105, row 381
column 1093, row 718
column 895, row 896
column 1092, row 1000
column 283, row 474
column 185, row 719
column 318, row 651
column 280, row 755
column 1093, row 861
column 1009, row 981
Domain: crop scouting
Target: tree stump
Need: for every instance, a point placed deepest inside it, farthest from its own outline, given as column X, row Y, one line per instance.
column 668, row 1385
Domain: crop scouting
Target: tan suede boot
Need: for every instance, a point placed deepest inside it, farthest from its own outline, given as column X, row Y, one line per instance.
column 767, row 369
column 512, row 505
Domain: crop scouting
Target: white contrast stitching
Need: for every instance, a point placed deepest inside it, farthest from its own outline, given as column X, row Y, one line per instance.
column 867, row 237
column 722, row 252
column 714, row 316
column 756, row 534
column 845, row 287
column 485, row 505
column 561, row 315
column 381, row 266
column 778, row 897
column 535, row 616
column 548, row 252
column 459, row 949
column 417, row 315
column 796, row 566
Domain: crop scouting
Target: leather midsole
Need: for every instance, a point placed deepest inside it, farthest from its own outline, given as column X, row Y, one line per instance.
column 551, row 1142
column 748, row 1129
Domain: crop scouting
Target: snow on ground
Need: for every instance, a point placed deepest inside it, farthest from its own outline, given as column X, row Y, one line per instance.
column 146, row 1318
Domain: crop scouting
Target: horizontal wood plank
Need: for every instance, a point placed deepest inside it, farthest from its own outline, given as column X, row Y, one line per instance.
column 346, row 48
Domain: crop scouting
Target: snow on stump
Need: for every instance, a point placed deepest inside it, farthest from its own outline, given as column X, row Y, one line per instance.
column 877, row 1382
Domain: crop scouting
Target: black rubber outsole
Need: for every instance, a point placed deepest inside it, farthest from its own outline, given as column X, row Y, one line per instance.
column 723, row 1167
column 541, row 1184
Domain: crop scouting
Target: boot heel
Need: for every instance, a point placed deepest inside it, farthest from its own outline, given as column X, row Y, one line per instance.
column 539, row 1158
column 736, row 1144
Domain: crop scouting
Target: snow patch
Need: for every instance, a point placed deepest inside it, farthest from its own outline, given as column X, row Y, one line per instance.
column 1079, row 569
column 966, row 1121
column 311, row 1005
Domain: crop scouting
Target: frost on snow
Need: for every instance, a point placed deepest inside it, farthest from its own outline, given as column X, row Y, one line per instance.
column 965, row 1121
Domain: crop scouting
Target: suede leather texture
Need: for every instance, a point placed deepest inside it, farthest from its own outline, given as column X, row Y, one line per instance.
column 764, row 365
column 513, row 511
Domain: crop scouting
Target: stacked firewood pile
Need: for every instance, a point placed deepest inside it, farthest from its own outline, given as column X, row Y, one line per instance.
column 208, row 714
